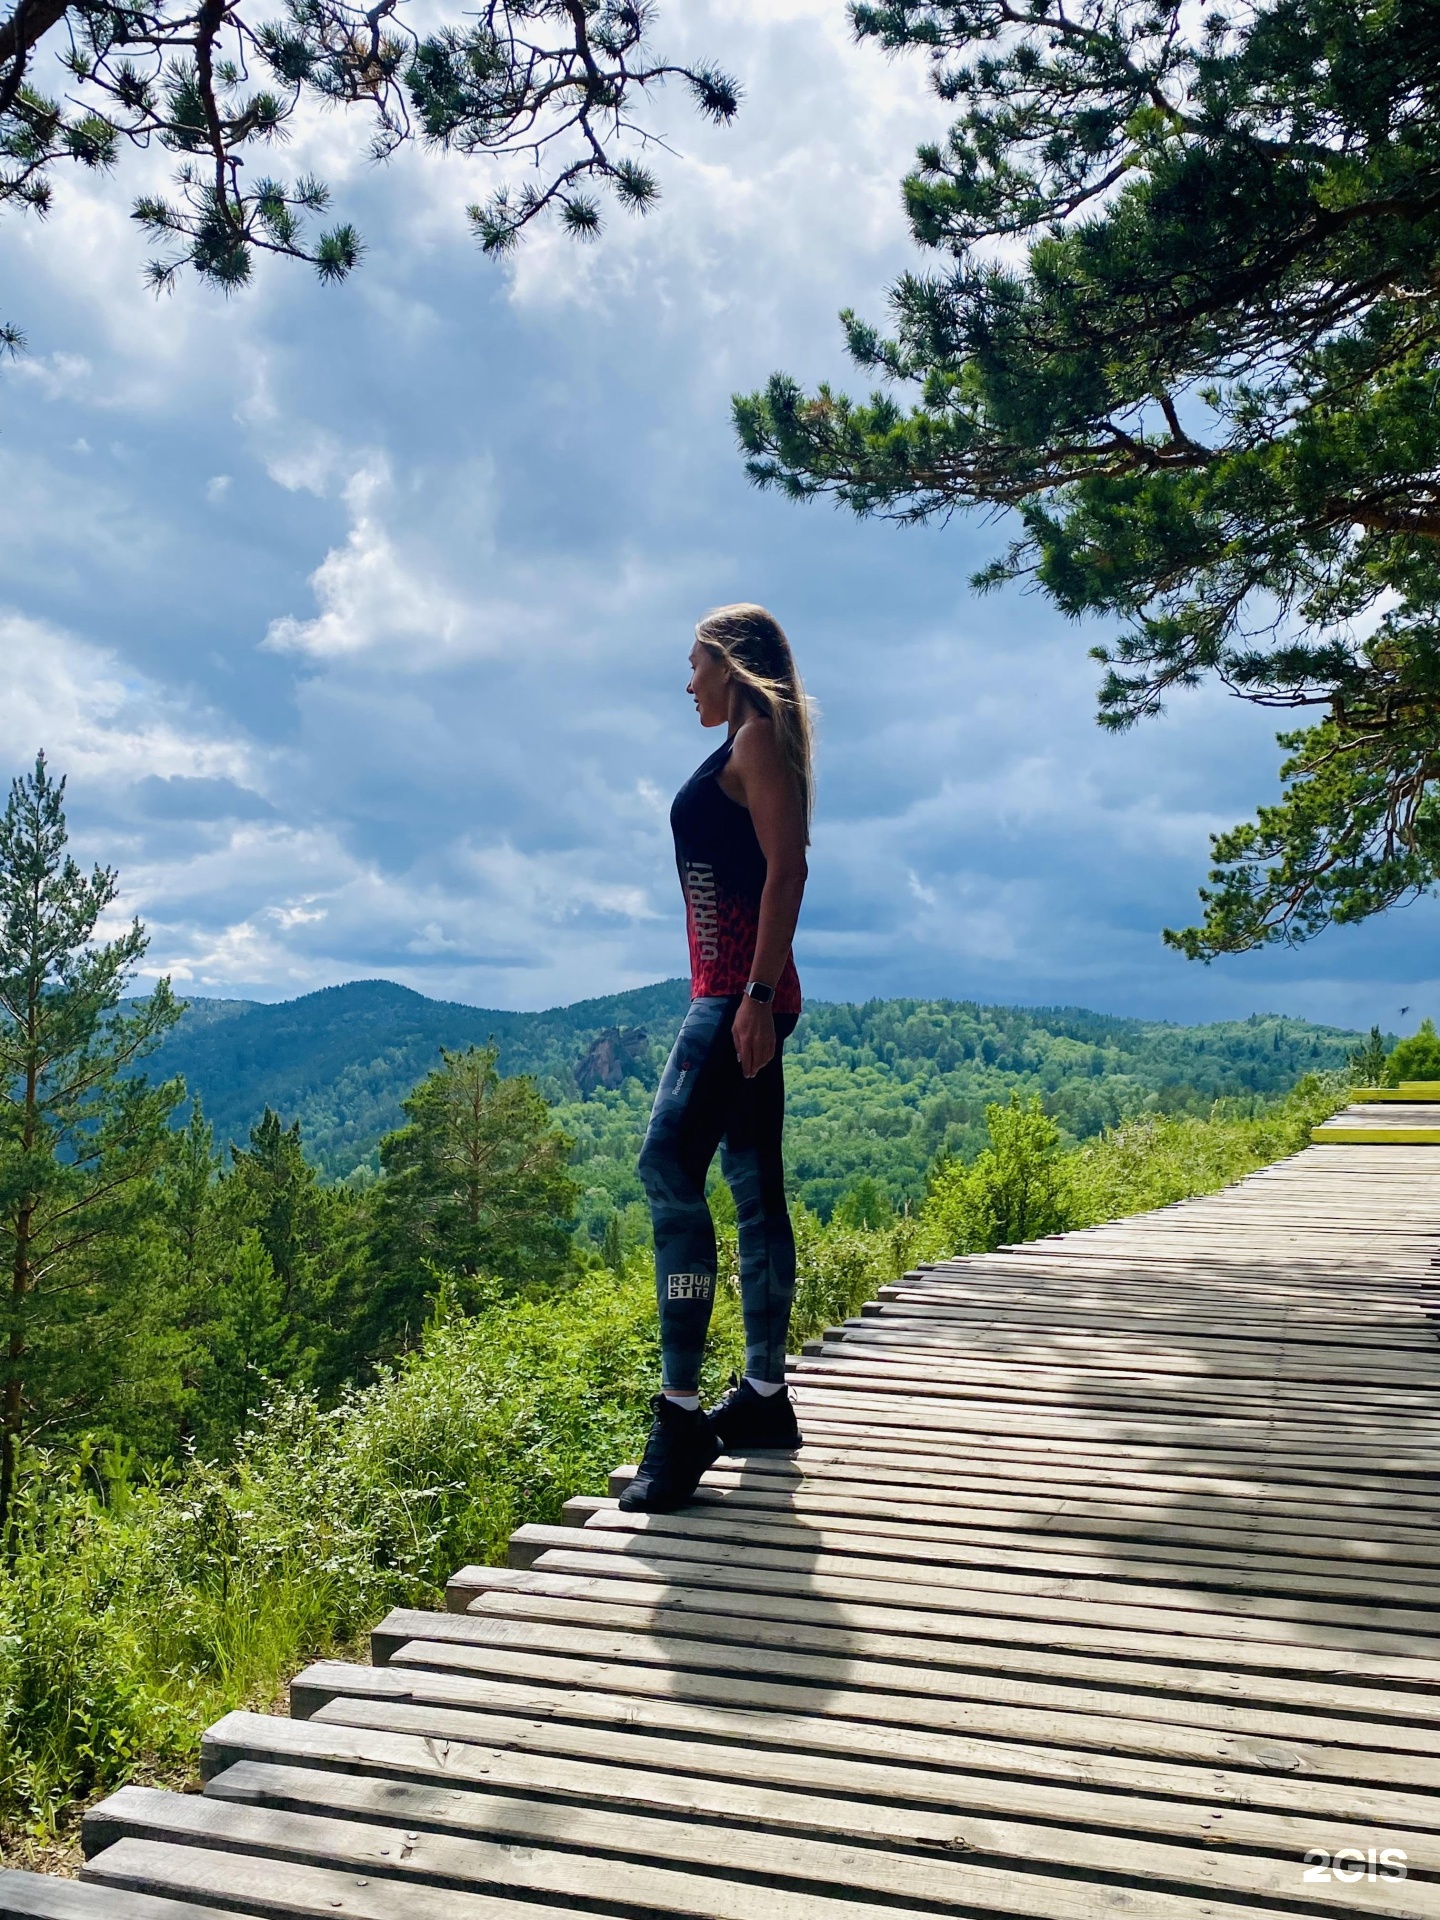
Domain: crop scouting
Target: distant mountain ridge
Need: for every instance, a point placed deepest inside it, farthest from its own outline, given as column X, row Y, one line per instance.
column 341, row 1061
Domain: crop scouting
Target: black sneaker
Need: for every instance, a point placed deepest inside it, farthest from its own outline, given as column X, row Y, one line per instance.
column 681, row 1446
column 749, row 1422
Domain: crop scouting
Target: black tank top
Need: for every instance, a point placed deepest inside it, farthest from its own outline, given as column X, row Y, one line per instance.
column 722, row 875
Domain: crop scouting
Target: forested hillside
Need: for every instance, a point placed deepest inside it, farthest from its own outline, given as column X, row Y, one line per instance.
column 340, row 1061
column 875, row 1090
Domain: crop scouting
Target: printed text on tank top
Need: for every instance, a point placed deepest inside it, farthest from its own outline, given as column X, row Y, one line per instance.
column 722, row 871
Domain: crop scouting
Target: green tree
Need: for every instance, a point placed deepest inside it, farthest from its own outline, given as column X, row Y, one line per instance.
column 312, row 1238
column 1015, row 1190
column 864, row 1205
column 477, row 1184
column 554, row 81
column 187, row 1181
column 1368, row 1064
column 249, row 1343
column 273, row 1190
column 613, row 1250
column 1417, row 1058
column 82, row 1138
column 1185, row 322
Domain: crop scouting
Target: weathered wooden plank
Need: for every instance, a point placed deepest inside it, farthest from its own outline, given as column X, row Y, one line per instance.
column 748, row 1818
column 831, row 1657
column 45, row 1896
column 422, row 1857
column 1105, row 1316
column 1262, row 1602
column 1256, row 1701
column 293, row 1889
column 1155, row 1783
column 1075, row 1726
column 1165, row 1348
column 831, row 1426
column 844, row 1798
column 923, row 1388
column 826, row 1482
column 822, row 1397
column 581, row 1577
column 1146, row 1535
column 857, row 1580
column 1415, row 1371
column 897, row 1459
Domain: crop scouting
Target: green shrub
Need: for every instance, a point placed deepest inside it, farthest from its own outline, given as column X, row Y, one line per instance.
column 1016, row 1189
column 130, row 1617
column 837, row 1269
column 1154, row 1161
column 1417, row 1058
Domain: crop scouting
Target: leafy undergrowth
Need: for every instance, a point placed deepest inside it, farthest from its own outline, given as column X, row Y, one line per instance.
column 134, row 1613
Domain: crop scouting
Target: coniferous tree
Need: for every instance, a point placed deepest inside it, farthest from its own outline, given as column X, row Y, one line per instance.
column 86, row 1339
column 187, row 1181
column 312, row 1240
column 1185, row 322
column 476, row 1186
column 1368, row 1063
column 613, row 1250
column 249, row 1343
column 552, row 81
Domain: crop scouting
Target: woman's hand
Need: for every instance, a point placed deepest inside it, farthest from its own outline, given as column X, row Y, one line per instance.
column 754, row 1036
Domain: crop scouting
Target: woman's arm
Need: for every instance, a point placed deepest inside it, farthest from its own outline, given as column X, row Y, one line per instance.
column 768, row 789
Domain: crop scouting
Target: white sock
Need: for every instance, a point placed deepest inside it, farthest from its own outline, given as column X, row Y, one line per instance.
column 764, row 1387
column 689, row 1401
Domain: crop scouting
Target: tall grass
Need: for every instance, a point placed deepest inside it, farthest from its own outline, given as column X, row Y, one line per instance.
column 132, row 1614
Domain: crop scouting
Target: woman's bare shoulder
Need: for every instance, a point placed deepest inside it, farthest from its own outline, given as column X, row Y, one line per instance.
column 755, row 747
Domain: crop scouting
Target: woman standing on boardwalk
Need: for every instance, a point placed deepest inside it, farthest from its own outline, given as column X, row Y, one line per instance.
column 741, row 825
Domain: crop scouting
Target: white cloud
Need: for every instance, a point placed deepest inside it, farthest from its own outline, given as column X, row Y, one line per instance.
column 371, row 599
column 97, row 720
column 57, row 375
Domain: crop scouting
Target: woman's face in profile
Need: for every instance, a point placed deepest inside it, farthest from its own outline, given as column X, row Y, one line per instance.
column 709, row 686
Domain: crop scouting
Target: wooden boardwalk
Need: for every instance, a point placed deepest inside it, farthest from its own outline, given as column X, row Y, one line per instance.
column 1108, row 1583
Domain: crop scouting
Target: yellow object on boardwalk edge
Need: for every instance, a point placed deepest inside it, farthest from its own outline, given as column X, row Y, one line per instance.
column 1375, row 1136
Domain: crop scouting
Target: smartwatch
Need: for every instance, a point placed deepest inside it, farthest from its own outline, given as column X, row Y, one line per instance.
column 757, row 990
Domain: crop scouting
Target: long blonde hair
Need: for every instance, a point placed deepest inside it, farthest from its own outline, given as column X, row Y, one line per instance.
column 753, row 646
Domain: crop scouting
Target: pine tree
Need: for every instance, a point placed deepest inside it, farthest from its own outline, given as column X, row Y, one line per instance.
column 249, row 1343
column 613, row 1251
column 475, row 1187
column 1368, row 1063
column 313, row 1241
column 554, row 82
column 187, row 1181
column 82, row 1137
column 1185, row 322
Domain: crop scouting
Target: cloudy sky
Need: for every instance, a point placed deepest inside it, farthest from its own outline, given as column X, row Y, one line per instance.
column 358, row 617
